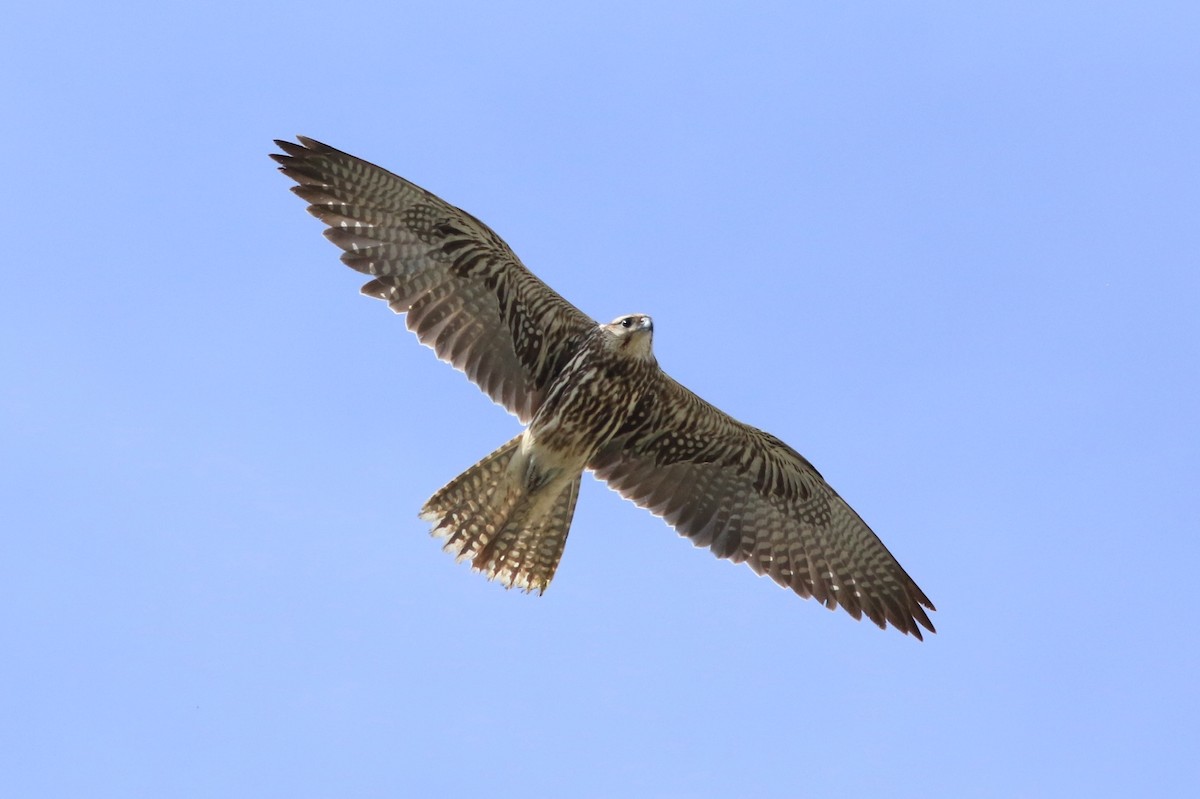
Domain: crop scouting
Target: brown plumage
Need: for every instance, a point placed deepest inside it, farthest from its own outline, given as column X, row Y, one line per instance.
column 593, row 397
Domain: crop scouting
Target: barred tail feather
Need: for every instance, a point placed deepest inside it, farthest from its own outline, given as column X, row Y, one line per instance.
column 468, row 510
column 486, row 514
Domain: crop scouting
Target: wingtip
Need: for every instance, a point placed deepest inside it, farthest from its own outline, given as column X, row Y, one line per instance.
column 288, row 158
column 915, row 621
column 304, row 145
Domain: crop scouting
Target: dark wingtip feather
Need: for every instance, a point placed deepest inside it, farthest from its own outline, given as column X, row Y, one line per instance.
column 293, row 152
column 314, row 145
column 290, row 150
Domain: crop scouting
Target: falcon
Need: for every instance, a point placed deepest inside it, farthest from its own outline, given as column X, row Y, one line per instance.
column 591, row 397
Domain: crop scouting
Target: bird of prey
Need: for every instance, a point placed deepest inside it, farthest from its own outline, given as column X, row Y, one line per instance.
column 592, row 397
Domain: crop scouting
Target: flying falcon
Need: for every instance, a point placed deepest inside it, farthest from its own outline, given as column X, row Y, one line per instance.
column 592, row 396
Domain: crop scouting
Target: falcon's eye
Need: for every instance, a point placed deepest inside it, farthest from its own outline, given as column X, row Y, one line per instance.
column 626, row 322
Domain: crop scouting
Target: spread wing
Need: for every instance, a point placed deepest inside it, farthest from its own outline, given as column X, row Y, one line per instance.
column 466, row 294
column 750, row 497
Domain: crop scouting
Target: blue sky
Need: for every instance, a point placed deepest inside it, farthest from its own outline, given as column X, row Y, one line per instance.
column 948, row 252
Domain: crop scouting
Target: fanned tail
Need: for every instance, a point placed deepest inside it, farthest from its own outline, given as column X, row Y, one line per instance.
column 510, row 533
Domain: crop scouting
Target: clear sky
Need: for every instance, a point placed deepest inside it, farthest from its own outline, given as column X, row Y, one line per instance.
column 949, row 252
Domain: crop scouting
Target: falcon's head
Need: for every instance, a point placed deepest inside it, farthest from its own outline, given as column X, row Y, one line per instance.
column 631, row 335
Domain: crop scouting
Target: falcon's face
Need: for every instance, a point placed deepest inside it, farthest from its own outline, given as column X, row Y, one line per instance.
column 631, row 335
